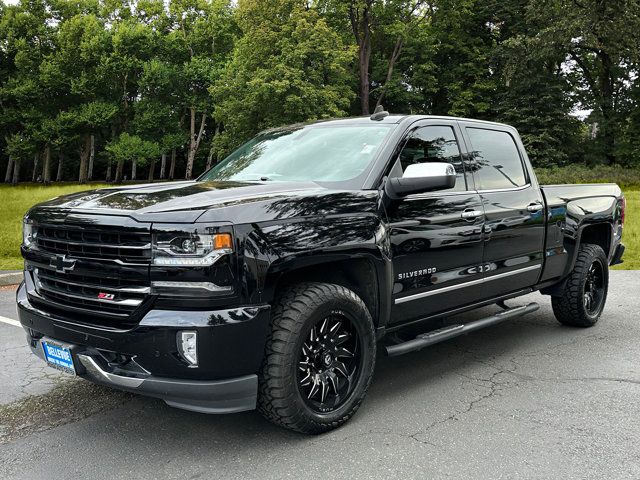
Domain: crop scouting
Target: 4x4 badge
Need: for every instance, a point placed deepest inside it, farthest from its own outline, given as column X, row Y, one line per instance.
column 62, row 264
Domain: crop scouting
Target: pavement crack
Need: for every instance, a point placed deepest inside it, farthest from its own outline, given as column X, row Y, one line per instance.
column 493, row 386
column 606, row 379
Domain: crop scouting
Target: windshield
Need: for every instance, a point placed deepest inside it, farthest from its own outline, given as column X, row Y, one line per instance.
column 313, row 153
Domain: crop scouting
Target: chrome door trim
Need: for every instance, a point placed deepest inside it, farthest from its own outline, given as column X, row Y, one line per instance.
column 479, row 281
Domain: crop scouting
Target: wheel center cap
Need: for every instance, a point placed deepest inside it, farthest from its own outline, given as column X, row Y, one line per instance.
column 327, row 359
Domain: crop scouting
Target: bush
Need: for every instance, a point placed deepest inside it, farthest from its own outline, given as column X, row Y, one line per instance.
column 625, row 177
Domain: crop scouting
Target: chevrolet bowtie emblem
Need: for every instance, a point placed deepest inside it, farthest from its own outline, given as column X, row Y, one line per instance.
column 62, row 264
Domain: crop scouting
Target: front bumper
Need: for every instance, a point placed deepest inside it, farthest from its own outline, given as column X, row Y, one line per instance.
column 145, row 360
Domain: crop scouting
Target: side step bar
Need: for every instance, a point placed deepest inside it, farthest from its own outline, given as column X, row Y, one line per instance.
column 445, row 333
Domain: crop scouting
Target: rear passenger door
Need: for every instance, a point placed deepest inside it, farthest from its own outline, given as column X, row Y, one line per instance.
column 513, row 208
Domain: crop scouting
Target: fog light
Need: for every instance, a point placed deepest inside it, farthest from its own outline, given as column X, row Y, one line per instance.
column 188, row 347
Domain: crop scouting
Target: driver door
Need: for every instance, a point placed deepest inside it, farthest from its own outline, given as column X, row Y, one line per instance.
column 436, row 237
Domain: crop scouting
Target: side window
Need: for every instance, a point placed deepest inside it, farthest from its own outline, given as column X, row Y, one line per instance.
column 434, row 144
column 495, row 159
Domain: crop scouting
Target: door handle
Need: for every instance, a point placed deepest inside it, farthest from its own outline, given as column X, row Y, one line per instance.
column 535, row 207
column 471, row 214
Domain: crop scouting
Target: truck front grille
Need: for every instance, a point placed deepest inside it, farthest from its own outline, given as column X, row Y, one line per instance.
column 86, row 242
column 98, row 274
column 95, row 295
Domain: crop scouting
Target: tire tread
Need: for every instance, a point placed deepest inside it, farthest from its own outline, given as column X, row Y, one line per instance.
column 275, row 393
column 568, row 307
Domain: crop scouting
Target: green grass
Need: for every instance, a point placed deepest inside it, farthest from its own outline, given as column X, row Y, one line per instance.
column 15, row 201
column 625, row 177
column 631, row 233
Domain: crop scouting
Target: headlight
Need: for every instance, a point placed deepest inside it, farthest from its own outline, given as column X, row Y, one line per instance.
column 199, row 247
column 28, row 233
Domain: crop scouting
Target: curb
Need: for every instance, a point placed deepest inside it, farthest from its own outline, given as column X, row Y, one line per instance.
column 10, row 278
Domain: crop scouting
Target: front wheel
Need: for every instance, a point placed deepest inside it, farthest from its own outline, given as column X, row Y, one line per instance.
column 319, row 358
column 585, row 292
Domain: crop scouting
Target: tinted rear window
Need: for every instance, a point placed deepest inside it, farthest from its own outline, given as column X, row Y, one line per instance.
column 496, row 160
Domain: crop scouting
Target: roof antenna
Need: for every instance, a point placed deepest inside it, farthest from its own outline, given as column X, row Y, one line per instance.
column 379, row 113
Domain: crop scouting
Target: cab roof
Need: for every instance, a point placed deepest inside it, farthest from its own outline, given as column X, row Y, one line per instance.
column 392, row 119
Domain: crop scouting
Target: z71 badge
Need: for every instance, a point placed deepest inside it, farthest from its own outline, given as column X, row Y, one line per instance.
column 416, row 273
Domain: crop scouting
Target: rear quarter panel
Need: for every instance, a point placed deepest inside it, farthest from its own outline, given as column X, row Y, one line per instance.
column 572, row 208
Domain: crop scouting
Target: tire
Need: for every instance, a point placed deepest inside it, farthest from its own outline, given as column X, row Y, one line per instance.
column 285, row 395
column 573, row 306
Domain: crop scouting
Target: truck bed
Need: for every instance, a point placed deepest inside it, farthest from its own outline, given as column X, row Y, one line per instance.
column 572, row 209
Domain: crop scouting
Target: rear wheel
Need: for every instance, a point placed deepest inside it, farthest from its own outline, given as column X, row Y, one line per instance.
column 319, row 358
column 585, row 291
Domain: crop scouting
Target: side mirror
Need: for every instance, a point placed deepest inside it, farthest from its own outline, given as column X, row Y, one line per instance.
column 422, row 177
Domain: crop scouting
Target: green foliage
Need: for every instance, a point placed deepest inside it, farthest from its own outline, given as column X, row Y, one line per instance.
column 288, row 67
column 20, row 147
column 129, row 148
column 625, row 177
column 198, row 77
column 598, row 40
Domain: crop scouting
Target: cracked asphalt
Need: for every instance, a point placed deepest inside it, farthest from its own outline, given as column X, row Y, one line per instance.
column 526, row 399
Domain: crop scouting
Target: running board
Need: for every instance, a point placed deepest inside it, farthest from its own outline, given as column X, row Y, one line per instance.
column 445, row 333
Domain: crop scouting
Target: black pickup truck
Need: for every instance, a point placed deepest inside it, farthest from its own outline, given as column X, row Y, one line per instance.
column 276, row 279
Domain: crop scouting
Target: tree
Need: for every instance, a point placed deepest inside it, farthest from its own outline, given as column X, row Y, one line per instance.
column 532, row 92
column 20, row 148
column 203, row 42
column 380, row 30
column 600, row 40
column 288, row 67
column 131, row 148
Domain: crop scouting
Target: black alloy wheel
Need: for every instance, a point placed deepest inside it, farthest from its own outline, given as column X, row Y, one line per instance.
column 581, row 300
column 593, row 293
column 319, row 357
column 329, row 363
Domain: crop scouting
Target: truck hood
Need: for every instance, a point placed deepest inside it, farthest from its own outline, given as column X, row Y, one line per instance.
column 222, row 201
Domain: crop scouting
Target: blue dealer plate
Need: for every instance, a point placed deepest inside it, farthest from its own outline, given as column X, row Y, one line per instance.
column 58, row 357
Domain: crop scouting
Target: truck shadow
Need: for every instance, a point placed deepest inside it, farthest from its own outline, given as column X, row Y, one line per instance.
column 479, row 354
column 416, row 376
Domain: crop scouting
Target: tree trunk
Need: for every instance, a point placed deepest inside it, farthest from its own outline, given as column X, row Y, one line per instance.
column 46, row 165
column 194, row 141
column 134, row 169
column 60, row 163
column 172, row 167
column 7, row 175
column 364, row 56
column 108, row 178
column 397, row 49
column 119, row 171
column 360, row 19
column 92, row 155
column 607, row 108
column 209, row 159
column 16, row 172
column 163, row 165
column 152, row 167
column 36, row 157
column 211, row 149
column 85, row 147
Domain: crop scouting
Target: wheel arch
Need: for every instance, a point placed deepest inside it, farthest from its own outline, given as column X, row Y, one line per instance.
column 596, row 233
column 365, row 275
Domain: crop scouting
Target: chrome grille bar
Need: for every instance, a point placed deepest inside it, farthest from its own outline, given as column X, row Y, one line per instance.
column 81, row 242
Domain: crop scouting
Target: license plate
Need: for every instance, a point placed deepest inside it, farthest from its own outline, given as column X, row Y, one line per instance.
column 58, row 357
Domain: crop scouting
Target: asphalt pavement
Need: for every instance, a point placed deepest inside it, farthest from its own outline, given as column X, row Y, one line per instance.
column 526, row 399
